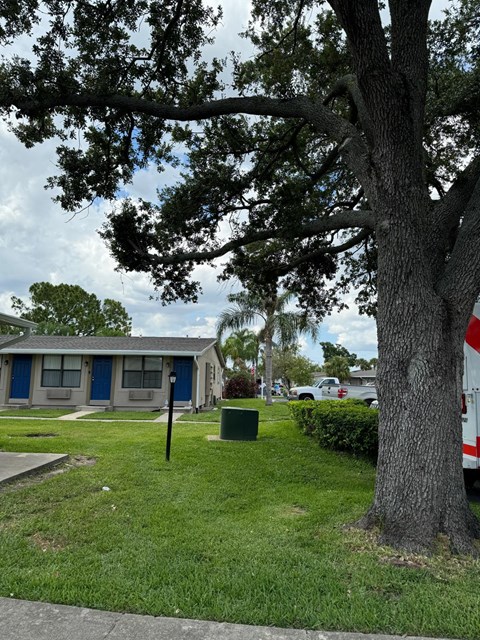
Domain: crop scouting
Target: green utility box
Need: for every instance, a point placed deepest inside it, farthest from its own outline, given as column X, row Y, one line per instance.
column 238, row 424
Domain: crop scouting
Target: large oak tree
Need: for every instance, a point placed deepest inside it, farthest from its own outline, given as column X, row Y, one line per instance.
column 346, row 140
column 67, row 309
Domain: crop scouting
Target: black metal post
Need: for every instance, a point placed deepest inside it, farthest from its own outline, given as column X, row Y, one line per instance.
column 170, row 417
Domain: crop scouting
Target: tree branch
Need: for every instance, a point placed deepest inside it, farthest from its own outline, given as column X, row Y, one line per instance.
column 307, row 257
column 320, row 117
column 348, row 86
column 363, row 26
column 409, row 51
column 450, row 208
column 464, row 265
column 293, row 30
column 298, row 107
column 447, row 213
column 342, row 220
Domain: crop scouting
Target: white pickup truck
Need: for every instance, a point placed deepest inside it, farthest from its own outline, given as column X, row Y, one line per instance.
column 333, row 389
column 311, row 393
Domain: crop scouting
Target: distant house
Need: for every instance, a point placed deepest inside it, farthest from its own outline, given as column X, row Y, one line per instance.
column 356, row 377
column 363, row 377
column 110, row 372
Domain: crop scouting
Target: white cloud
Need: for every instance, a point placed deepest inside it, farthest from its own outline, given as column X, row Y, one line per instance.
column 353, row 331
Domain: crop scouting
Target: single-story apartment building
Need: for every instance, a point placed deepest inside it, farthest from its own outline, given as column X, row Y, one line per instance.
column 110, row 372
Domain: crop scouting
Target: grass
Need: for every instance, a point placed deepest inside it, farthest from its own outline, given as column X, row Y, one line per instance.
column 278, row 411
column 123, row 415
column 35, row 413
column 249, row 532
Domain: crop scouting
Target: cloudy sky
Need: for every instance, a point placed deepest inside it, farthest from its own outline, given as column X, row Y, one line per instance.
column 39, row 242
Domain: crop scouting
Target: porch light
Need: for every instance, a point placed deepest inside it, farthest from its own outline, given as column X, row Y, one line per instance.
column 173, row 377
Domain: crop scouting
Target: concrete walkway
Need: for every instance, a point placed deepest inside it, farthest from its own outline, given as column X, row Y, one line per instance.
column 22, row 620
column 164, row 416
column 16, row 465
column 78, row 415
column 73, row 416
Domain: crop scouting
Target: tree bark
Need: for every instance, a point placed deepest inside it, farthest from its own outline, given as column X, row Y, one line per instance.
column 268, row 367
column 420, row 491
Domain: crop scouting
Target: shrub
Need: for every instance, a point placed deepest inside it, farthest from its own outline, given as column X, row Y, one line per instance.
column 346, row 425
column 301, row 413
column 240, row 385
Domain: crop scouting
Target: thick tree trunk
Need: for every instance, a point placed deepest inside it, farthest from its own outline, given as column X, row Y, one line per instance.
column 419, row 491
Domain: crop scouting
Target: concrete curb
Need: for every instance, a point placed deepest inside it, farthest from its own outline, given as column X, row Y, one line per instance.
column 22, row 620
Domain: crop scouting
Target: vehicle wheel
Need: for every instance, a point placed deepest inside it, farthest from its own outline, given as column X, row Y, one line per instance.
column 368, row 402
column 306, row 397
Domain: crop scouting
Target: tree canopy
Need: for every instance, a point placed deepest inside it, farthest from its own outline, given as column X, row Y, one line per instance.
column 338, row 366
column 345, row 145
column 66, row 309
column 291, row 367
column 125, row 71
column 331, row 350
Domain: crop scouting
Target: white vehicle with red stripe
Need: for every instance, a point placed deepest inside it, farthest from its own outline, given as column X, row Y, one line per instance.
column 333, row 389
column 471, row 394
column 313, row 392
column 365, row 392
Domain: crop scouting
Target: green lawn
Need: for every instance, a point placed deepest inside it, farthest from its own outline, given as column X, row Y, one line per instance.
column 35, row 413
column 278, row 411
column 249, row 532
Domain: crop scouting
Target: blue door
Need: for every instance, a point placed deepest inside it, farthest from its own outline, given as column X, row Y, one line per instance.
column 101, row 378
column 183, row 385
column 21, row 370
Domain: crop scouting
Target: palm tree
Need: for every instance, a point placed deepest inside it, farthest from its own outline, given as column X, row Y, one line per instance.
column 277, row 323
column 242, row 346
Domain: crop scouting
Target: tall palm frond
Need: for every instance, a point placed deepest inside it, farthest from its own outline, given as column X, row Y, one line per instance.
column 285, row 326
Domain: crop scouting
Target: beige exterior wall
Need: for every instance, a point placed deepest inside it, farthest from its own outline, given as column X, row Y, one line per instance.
column 5, row 381
column 121, row 396
column 206, row 381
column 4, row 371
column 210, row 383
column 39, row 394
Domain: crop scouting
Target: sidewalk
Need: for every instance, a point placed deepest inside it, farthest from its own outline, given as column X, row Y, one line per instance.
column 22, row 620
column 78, row 415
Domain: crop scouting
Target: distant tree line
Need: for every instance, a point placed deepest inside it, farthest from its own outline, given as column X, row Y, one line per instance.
column 69, row 310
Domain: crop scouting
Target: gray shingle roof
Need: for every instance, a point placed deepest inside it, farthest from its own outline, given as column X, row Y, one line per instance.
column 110, row 345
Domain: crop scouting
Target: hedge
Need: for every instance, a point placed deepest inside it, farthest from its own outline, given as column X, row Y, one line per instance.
column 341, row 425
